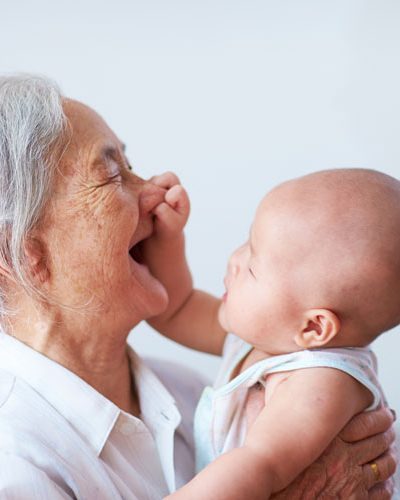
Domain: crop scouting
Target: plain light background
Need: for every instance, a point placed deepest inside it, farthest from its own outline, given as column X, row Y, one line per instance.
column 234, row 96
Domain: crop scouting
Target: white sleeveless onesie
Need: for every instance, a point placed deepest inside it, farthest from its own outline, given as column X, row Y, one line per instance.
column 219, row 424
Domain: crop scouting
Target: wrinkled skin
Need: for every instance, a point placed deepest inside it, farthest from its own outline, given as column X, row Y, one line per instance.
column 340, row 474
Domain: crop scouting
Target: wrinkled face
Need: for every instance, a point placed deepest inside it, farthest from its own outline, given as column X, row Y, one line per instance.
column 99, row 212
column 259, row 305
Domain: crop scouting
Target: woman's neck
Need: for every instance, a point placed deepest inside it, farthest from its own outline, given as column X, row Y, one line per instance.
column 97, row 356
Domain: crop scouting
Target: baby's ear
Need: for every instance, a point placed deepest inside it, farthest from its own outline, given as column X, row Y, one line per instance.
column 320, row 326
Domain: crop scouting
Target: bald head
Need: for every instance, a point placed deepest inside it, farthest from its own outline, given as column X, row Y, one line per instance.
column 342, row 235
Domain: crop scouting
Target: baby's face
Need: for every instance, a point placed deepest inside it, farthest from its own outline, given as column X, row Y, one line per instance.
column 258, row 305
column 328, row 241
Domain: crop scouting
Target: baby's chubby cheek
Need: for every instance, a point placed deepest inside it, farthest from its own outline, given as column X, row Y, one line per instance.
column 230, row 318
column 222, row 317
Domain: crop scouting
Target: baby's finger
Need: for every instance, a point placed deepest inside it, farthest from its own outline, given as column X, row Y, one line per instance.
column 168, row 219
column 177, row 198
column 165, row 180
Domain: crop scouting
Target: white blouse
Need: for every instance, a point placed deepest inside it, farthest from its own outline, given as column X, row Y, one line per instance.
column 60, row 438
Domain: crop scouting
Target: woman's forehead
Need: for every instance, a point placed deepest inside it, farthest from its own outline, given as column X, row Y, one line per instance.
column 89, row 135
column 85, row 124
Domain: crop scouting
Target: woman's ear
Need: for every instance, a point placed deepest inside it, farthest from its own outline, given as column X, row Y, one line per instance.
column 319, row 328
column 36, row 259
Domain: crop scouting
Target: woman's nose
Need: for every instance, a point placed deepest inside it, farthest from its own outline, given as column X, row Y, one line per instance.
column 150, row 196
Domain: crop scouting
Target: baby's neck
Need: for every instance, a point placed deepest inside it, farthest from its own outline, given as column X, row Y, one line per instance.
column 252, row 357
column 256, row 355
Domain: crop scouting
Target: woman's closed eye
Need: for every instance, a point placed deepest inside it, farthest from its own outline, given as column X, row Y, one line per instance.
column 116, row 168
column 116, row 177
column 109, row 173
column 113, row 173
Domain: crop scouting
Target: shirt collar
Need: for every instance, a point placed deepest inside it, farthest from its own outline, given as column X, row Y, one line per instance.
column 89, row 412
column 155, row 400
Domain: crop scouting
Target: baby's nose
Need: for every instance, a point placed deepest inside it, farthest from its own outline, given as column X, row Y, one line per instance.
column 235, row 270
column 233, row 265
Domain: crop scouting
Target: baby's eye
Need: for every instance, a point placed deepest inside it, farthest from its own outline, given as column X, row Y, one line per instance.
column 251, row 272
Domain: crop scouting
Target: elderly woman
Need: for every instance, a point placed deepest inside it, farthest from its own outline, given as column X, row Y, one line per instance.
column 81, row 415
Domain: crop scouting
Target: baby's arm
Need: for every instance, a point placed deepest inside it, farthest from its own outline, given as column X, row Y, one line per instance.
column 306, row 411
column 192, row 315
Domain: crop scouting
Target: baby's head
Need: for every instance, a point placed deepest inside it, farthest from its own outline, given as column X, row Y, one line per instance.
column 321, row 266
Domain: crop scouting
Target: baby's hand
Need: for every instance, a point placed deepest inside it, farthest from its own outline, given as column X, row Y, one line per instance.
column 172, row 214
column 164, row 251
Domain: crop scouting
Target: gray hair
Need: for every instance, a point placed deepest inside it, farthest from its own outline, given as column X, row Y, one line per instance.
column 32, row 123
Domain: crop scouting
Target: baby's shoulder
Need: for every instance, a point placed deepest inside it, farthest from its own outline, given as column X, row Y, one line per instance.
column 322, row 368
column 316, row 385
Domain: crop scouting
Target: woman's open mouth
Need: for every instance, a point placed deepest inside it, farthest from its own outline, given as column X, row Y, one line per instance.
column 140, row 272
column 138, row 264
column 136, row 253
column 136, row 247
column 143, row 283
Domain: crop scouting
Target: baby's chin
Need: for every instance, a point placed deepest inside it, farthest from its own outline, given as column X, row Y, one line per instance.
column 222, row 319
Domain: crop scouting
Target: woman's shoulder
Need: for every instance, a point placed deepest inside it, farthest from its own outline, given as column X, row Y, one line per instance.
column 27, row 420
column 40, row 441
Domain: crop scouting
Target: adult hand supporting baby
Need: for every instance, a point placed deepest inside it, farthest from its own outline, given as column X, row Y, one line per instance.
column 344, row 469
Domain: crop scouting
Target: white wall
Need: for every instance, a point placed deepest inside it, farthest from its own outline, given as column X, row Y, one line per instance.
column 235, row 96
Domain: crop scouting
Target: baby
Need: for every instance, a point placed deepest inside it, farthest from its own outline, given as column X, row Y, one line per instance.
column 317, row 281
